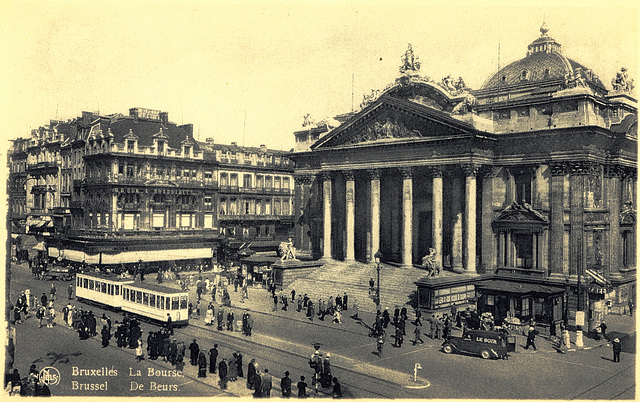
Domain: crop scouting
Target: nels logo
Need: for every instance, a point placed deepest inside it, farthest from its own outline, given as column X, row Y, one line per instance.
column 50, row 376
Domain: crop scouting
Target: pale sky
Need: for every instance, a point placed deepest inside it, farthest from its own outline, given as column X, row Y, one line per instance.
column 207, row 62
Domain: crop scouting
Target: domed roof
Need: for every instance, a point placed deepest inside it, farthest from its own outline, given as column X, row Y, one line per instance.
column 543, row 62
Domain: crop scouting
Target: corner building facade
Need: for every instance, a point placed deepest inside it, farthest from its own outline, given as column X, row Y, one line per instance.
column 530, row 179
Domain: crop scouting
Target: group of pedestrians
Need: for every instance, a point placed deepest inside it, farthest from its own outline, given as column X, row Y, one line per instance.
column 333, row 307
column 31, row 385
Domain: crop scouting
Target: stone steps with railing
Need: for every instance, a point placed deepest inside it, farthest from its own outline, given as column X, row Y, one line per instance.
column 336, row 278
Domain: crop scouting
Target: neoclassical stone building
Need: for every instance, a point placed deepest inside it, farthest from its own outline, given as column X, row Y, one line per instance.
column 532, row 178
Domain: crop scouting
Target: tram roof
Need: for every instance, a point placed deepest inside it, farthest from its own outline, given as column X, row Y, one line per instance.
column 105, row 277
column 155, row 288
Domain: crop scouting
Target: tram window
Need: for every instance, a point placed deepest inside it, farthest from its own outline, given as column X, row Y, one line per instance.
column 168, row 304
column 161, row 302
column 78, row 281
column 183, row 302
column 152, row 300
column 138, row 297
column 125, row 294
column 174, row 303
column 103, row 287
column 145, row 298
column 85, row 283
column 132, row 295
column 90, row 284
column 117, row 289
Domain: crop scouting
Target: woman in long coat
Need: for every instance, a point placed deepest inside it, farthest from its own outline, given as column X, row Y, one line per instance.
column 222, row 373
column 239, row 360
column 233, row 369
column 202, row 365
column 251, row 373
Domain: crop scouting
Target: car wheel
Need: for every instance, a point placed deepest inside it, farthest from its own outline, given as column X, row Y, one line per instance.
column 485, row 354
column 447, row 349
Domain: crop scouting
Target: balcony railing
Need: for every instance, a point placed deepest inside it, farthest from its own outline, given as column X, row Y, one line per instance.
column 254, row 217
column 42, row 165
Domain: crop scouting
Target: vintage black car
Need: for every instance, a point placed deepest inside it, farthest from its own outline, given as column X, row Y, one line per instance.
column 486, row 344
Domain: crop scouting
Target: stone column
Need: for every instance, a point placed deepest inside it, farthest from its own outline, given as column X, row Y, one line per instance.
column 326, row 194
column 579, row 171
column 501, row 248
column 534, row 248
column 302, row 183
column 614, row 175
column 556, row 238
column 350, row 191
column 407, row 216
column 456, row 215
column 469, row 252
column 436, row 219
column 374, row 176
column 487, row 236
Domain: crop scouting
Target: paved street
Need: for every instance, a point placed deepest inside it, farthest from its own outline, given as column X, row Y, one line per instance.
column 282, row 341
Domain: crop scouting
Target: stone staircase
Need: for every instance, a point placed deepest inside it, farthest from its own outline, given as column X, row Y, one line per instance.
column 336, row 277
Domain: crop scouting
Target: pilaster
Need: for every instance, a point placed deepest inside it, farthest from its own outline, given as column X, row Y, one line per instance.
column 350, row 212
column 407, row 216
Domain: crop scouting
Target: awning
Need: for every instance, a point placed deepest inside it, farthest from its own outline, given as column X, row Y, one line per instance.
column 599, row 279
column 519, row 287
column 132, row 256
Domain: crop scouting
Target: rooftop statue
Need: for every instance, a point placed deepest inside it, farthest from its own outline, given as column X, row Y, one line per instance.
column 430, row 264
column 621, row 82
column 287, row 251
column 453, row 86
column 466, row 106
column 409, row 61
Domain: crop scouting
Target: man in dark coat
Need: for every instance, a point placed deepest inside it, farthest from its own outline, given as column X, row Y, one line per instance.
column 531, row 338
column 249, row 324
column 173, row 352
column 105, row 336
column 617, row 348
column 194, row 351
column 285, row 385
column 398, row 338
column 220, row 319
column 91, row 323
column 222, row 373
column 239, row 360
column 230, row 320
column 345, row 300
column 386, row 318
column 213, row 358
column 169, row 324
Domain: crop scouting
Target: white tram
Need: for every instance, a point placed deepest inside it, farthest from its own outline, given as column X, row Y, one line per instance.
column 101, row 288
column 156, row 302
column 146, row 300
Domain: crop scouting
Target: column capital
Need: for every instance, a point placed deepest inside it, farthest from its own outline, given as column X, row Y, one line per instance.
column 406, row 173
column 348, row 175
column 374, row 174
column 614, row 171
column 435, row 171
column 325, row 176
column 584, row 168
column 303, row 179
column 558, row 168
column 470, row 169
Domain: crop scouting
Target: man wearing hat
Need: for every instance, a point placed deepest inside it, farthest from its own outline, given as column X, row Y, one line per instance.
column 285, row 385
column 617, row 347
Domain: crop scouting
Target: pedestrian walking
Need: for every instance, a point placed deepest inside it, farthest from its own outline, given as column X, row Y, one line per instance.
column 302, row 388
column 531, row 338
column 220, row 319
column 337, row 389
column 267, row 383
column 238, row 356
column 106, row 335
column 293, row 298
column 52, row 292
column 251, row 373
column 139, row 352
column 398, row 338
column 285, row 384
column 213, row 358
column 222, row 373
column 631, row 307
column 194, row 351
column 416, row 336
column 380, row 343
column 70, row 291
column 345, row 301
column 603, row 330
column 617, row 348
column 202, row 365
column 354, row 309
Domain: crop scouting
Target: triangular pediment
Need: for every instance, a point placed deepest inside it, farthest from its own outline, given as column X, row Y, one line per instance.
column 522, row 215
column 389, row 119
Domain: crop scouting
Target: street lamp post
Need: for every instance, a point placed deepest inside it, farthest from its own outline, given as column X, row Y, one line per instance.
column 378, row 257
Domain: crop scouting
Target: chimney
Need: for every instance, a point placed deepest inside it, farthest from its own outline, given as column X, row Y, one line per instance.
column 133, row 112
column 164, row 118
column 263, row 147
column 210, row 140
column 234, row 144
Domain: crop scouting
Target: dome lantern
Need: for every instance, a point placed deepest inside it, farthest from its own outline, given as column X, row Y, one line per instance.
column 544, row 44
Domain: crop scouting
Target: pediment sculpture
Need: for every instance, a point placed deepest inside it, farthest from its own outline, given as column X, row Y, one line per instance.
column 383, row 130
column 520, row 212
